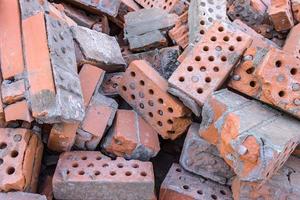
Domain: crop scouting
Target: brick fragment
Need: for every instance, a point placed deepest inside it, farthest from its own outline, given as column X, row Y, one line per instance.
column 180, row 33
column 110, row 84
column 180, row 184
column 237, row 126
column 283, row 185
column 202, row 158
column 292, row 44
column 20, row 158
column 78, row 174
column 31, row 8
column 21, row 195
column 281, row 90
column 106, row 56
column 208, row 65
column 281, row 15
column 176, row 6
column 131, row 137
column 18, row 111
column 59, row 14
column 146, row 91
column 46, row 188
column 296, row 9
column 12, row 91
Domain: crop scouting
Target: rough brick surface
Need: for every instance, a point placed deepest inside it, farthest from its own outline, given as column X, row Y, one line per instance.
column 283, row 185
column 208, row 65
column 182, row 185
column 31, row 8
column 176, row 6
column 292, row 43
column 202, row 158
column 18, row 111
column 106, row 56
column 270, row 77
column 237, row 126
column 21, row 195
column 281, row 15
column 12, row 91
column 131, row 137
column 20, row 159
column 110, row 85
column 180, row 33
column 88, row 175
column 146, row 91
column 296, row 9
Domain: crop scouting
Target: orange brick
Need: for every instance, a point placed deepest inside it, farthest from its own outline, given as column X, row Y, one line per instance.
column 18, row 111
column 179, row 33
column 12, row 91
column 59, row 15
column 292, row 43
column 146, row 91
column 10, row 39
column 208, row 65
column 281, row 15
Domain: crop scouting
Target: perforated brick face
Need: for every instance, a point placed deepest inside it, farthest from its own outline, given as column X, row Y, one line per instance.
column 164, row 4
column 146, row 91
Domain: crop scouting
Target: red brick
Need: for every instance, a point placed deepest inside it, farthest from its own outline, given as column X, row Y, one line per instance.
column 10, row 39
column 18, row 111
column 102, row 26
column 208, row 65
column 170, row 5
column 59, row 15
column 78, row 173
column 131, row 137
column 292, row 43
column 12, row 91
column 110, row 85
column 281, row 15
column 46, row 187
column 146, row 91
column 179, row 33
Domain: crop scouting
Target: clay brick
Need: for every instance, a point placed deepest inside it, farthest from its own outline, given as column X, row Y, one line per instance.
column 202, row 158
column 146, row 91
column 252, row 77
column 12, row 91
column 296, row 9
column 283, row 185
column 11, row 57
column 20, row 158
column 102, row 26
column 59, row 14
column 87, row 175
column 110, row 84
column 208, row 65
column 31, row 8
column 180, row 33
column 238, row 125
column 21, row 195
column 18, row 111
column 99, row 116
column 292, row 44
column 176, row 6
column 46, row 188
column 281, row 15
column 108, row 56
column 182, row 185
column 131, row 137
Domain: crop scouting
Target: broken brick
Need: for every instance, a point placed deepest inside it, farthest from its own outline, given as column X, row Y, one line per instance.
column 296, row 9
column 78, row 174
column 208, row 65
column 110, row 84
column 180, row 184
column 46, row 187
column 146, row 91
column 21, row 195
column 12, row 91
column 180, row 32
column 131, row 137
column 176, row 6
column 18, row 111
column 292, row 44
column 281, row 15
column 58, row 14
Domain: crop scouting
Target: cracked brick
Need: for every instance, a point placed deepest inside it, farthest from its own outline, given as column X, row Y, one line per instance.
column 87, row 175
column 21, row 195
column 111, row 83
column 146, row 91
column 180, row 32
column 281, row 15
column 208, row 65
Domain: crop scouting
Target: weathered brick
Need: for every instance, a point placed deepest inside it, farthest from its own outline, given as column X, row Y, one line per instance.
column 107, row 56
column 12, row 91
column 31, row 8
column 180, row 184
column 45, row 187
column 281, row 90
column 58, row 14
column 180, row 33
column 18, row 111
column 21, row 195
column 110, row 84
column 292, row 43
column 208, row 65
column 237, row 126
column 88, row 175
column 146, row 91
column 281, row 15
column 176, row 6
column 296, row 9
column 20, row 159
column 202, row 158
column 131, row 137
column 283, row 185
column 102, row 26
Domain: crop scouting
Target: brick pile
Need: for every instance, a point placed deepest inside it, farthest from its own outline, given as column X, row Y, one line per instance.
column 149, row 99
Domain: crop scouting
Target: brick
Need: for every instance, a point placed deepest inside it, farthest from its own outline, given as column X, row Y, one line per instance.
column 102, row 26
column 109, row 7
column 176, row 6
column 110, row 84
column 296, row 152
column 12, row 91
column 202, row 73
column 11, row 57
column 87, row 175
column 131, row 137
column 180, row 33
column 108, row 56
column 146, row 91
column 202, row 15
column 180, row 184
column 296, row 9
column 280, row 14
column 31, row 8
column 283, row 185
column 279, row 90
column 21, row 195
column 46, row 188
column 59, row 15
column 292, row 45
column 18, row 111
column 21, row 155
column 99, row 117
column 237, row 126
column 202, row 158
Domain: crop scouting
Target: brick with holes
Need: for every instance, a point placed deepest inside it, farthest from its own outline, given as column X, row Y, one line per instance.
column 202, row 158
column 110, row 84
column 292, row 44
column 281, row 15
column 208, row 65
column 296, row 9
column 248, row 134
column 176, row 6
column 180, row 184
column 202, row 15
column 131, row 137
column 89, row 174
column 180, row 33
column 146, row 91
column 107, row 56
column 20, row 159
column 283, row 185
column 21, row 195
column 280, row 90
